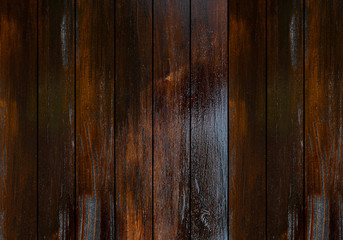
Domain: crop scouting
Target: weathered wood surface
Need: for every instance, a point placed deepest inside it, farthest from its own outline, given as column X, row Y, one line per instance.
column 285, row 120
column 247, row 119
column 95, row 119
column 133, row 131
column 324, row 115
column 18, row 119
column 56, row 117
column 171, row 119
column 209, row 114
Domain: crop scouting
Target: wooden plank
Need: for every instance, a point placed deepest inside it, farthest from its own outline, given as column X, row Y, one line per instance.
column 285, row 120
column 247, row 119
column 133, row 132
column 171, row 119
column 209, row 116
column 324, row 119
column 18, row 119
column 56, row 157
column 95, row 119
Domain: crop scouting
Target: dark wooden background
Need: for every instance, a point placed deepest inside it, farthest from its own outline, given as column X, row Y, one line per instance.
column 171, row 119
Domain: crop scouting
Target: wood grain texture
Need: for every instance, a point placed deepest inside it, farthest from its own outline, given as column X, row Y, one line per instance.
column 95, row 119
column 171, row 119
column 56, row 157
column 285, row 120
column 247, row 119
column 324, row 115
column 133, row 132
column 209, row 116
column 18, row 119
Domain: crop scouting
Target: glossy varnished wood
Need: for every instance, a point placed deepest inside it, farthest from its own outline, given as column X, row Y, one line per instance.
column 56, row 161
column 133, row 131
column 285, row 120
column 209, row 116
column 324, row 119
column 171, row 119
column 247, row 119
column 18, row 119
column 95, row 119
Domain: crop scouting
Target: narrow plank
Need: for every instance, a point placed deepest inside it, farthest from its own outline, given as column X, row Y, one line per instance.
column 56, row 162
column 95, row 119
column 324, row 119
column 133, row 131
column 247, row 119
column 18, row 119
column 209, row 116
column 171, row 119
column 285, row 120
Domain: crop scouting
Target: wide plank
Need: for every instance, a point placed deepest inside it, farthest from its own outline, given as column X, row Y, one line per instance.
column 285, row 180
column 171, row 119
column 209, row 116
column 18, row 119
column 95, row 197
column 324, row 119
column 247, row 119
column 133, row 130
column 56, row 116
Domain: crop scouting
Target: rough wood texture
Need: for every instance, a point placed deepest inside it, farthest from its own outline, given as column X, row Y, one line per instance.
column 285, row 120
column 18, row 119
column 171, row 119
column 247, row 119
column 151, row 125
column 133, row 132
column 56, row 162
column 324, row 115
column 95, row 119
column 209, row 116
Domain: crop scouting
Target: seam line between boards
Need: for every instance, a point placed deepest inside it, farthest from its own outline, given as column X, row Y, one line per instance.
column 152, row 118
column 228, row 119
column 114, row 120
column 266, row 116
column 75, row 119
column 304, row 105
column 37, row 138
column 190, row 119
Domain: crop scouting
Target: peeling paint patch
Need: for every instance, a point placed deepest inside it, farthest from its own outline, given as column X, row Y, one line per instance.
column 3, row 168
column 196, row 185
column 89, row 217
column 112, row 210
column 70, row 114
column 340, row 210
column 64, row 224
column 293, row 41
column 64, row 41
column 293, row 222
column 183, row 205
column 230, row 225
column 2, row 215
column 318, row 218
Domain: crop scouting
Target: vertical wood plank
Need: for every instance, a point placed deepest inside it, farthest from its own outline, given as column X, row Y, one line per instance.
column 133, row 132
column 324, row 115
column 285, row 120
column 171, row 119
column 209, row 116
column 247, row 119
column 95, row 119
column 56, row 169
column 18, row 119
